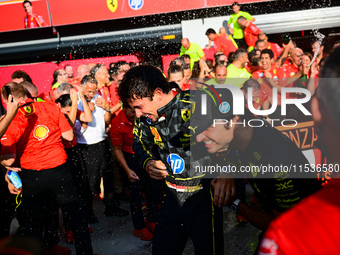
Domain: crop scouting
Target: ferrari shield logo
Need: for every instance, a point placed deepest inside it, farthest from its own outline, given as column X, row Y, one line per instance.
column 186, row 114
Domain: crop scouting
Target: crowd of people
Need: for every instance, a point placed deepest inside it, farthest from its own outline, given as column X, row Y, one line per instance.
column 129, row 124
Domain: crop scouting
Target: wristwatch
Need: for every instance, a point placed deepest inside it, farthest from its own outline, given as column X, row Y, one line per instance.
column 234, row 205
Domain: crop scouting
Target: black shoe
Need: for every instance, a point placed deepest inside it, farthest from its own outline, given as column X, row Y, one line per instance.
column 116, row 211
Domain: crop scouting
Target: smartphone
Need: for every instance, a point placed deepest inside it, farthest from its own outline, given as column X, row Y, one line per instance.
column 8, row 91
column 286, row 38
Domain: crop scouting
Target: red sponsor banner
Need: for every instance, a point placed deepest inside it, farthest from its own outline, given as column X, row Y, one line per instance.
column 78, row 11
column 65, row 12
column 13, row 14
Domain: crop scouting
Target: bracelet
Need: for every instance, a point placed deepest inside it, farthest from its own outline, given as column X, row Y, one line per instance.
column 147, row 165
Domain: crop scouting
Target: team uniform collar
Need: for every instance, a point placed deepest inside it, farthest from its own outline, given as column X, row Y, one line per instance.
column 25, row 102
column 166, row 110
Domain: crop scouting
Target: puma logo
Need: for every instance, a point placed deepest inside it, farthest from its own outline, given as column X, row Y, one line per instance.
column 193, row 129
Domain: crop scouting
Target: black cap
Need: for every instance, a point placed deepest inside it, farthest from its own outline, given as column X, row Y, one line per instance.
column 209, row 104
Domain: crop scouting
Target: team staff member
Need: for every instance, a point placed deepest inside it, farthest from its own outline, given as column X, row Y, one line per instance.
column 277, row 50
column 237, row 74
column 224, row 43
column 220, row 71
column 68, row 104
column 250, row 32
column 101, row 74
column 237, row 30
column 269, row 76
column 253, row 146
column 122, row 138
column 32, row 20
column 34, row 137
column 95, row 148
column 59, row 77
column 321, row 228
column 193, row 50
column 164, row 152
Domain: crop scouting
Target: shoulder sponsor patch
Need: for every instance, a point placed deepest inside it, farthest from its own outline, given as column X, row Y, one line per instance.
column 27, row 110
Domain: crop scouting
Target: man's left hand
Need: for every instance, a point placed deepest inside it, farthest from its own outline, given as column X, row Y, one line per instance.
column 224, row 190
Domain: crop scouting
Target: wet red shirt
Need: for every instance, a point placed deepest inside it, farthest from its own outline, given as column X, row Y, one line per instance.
column 275, row 48
column 225, row 44
column 114, row 96
column 104, row 92
column 251, row 34
column 71, row 144
column 34, row 135
column 311, row 227
column 260, row 100
column 47, row 96
column 121, row 132
column 277, row 75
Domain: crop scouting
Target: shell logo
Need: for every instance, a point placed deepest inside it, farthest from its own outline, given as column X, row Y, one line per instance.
column 155, row 134
column 40, row 132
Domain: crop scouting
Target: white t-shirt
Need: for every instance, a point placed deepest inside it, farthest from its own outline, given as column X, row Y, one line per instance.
column 95, row 130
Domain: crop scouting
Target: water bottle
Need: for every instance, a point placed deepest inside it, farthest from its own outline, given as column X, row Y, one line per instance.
column 15, row 179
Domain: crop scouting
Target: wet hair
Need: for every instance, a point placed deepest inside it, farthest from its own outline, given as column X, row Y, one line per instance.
column 175, row 69
column 184, row 56
column 55, row 76
column 238, row 53
column 16, row 90
column 210, row 31
column 26, row 1
column 29, row 87
column 269, row 52
column 64, row 100
column 309, row 55
column 65, row 86
column 257, row 42
column 219, row 65
column 231, row 57
column 241, row 18
column 251, row 83
column 252, row 54
column 186, row 67
column 217, row 56
column 176, row 61
column 95, row 69
column 20, row 74
column 66, row 66
column 88, row 79
column 142, row 81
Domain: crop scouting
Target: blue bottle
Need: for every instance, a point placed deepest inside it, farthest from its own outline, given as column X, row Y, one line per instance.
column 15, row 179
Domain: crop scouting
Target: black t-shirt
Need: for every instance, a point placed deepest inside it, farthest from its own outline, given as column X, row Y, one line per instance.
column 281, row 190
